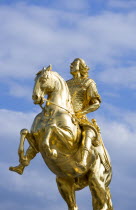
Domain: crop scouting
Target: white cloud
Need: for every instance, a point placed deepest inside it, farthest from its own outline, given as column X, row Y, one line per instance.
column 17, row 90
column 116, row 133
column 33, row 183
column 130, row 118
column 121, row 77
column 119, row 134
column 53, row 36
column 12, row 122
column 111, row 94
column 39, row 184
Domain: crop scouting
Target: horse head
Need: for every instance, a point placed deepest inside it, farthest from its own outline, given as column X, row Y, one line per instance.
column 48, row 82
column 44, row 84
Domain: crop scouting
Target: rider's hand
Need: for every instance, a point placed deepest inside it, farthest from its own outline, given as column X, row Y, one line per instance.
column 79, row 114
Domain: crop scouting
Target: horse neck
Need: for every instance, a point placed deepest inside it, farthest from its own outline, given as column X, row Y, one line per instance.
column 61, row 96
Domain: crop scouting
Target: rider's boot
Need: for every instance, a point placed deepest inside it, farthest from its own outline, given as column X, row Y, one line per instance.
column 18, row 169
column 86, row 146
column 83, row 163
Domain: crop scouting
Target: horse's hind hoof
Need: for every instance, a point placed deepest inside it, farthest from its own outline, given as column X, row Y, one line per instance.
column 73, row 208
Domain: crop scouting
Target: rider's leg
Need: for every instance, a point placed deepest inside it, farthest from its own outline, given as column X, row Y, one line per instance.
column 88, row 136
column 67, row 191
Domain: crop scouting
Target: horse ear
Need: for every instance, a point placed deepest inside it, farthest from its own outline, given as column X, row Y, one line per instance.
column 44, row 68
column 49, row 68
column 39, row 72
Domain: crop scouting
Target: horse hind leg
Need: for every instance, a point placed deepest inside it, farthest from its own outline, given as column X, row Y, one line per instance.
column 109, row 201
column 101, row 197
column 67, row 191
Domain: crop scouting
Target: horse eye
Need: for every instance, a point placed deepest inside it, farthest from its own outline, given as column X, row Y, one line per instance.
column 42, row 80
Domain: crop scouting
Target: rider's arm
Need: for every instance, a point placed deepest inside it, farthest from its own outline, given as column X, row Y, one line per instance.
column 92, row 107
column 93, row 99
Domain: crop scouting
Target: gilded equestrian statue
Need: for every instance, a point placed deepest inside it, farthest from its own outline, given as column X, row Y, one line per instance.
column 70, row 144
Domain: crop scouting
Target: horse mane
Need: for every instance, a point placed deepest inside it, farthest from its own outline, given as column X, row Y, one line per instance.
column 64, row 84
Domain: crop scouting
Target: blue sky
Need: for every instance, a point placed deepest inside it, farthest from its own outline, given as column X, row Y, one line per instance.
column 37, row 33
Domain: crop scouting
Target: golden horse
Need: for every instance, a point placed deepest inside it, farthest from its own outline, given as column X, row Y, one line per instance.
column 56, row 134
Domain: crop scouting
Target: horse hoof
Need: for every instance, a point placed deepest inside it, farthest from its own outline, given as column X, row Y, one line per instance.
column 17, row 169
column 73, row 208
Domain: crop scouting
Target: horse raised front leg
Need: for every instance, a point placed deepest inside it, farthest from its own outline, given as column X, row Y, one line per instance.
column 67, row 191
column 24, row 159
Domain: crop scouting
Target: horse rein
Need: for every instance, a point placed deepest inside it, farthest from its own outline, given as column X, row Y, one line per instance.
column 55, row 105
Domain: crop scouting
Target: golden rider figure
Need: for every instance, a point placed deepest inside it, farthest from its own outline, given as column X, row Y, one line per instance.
column 85, row 99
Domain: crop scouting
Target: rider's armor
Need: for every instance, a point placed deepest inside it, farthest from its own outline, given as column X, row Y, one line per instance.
column 83, row 92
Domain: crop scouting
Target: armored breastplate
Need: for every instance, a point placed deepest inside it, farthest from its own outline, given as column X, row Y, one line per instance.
column 77, row 88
